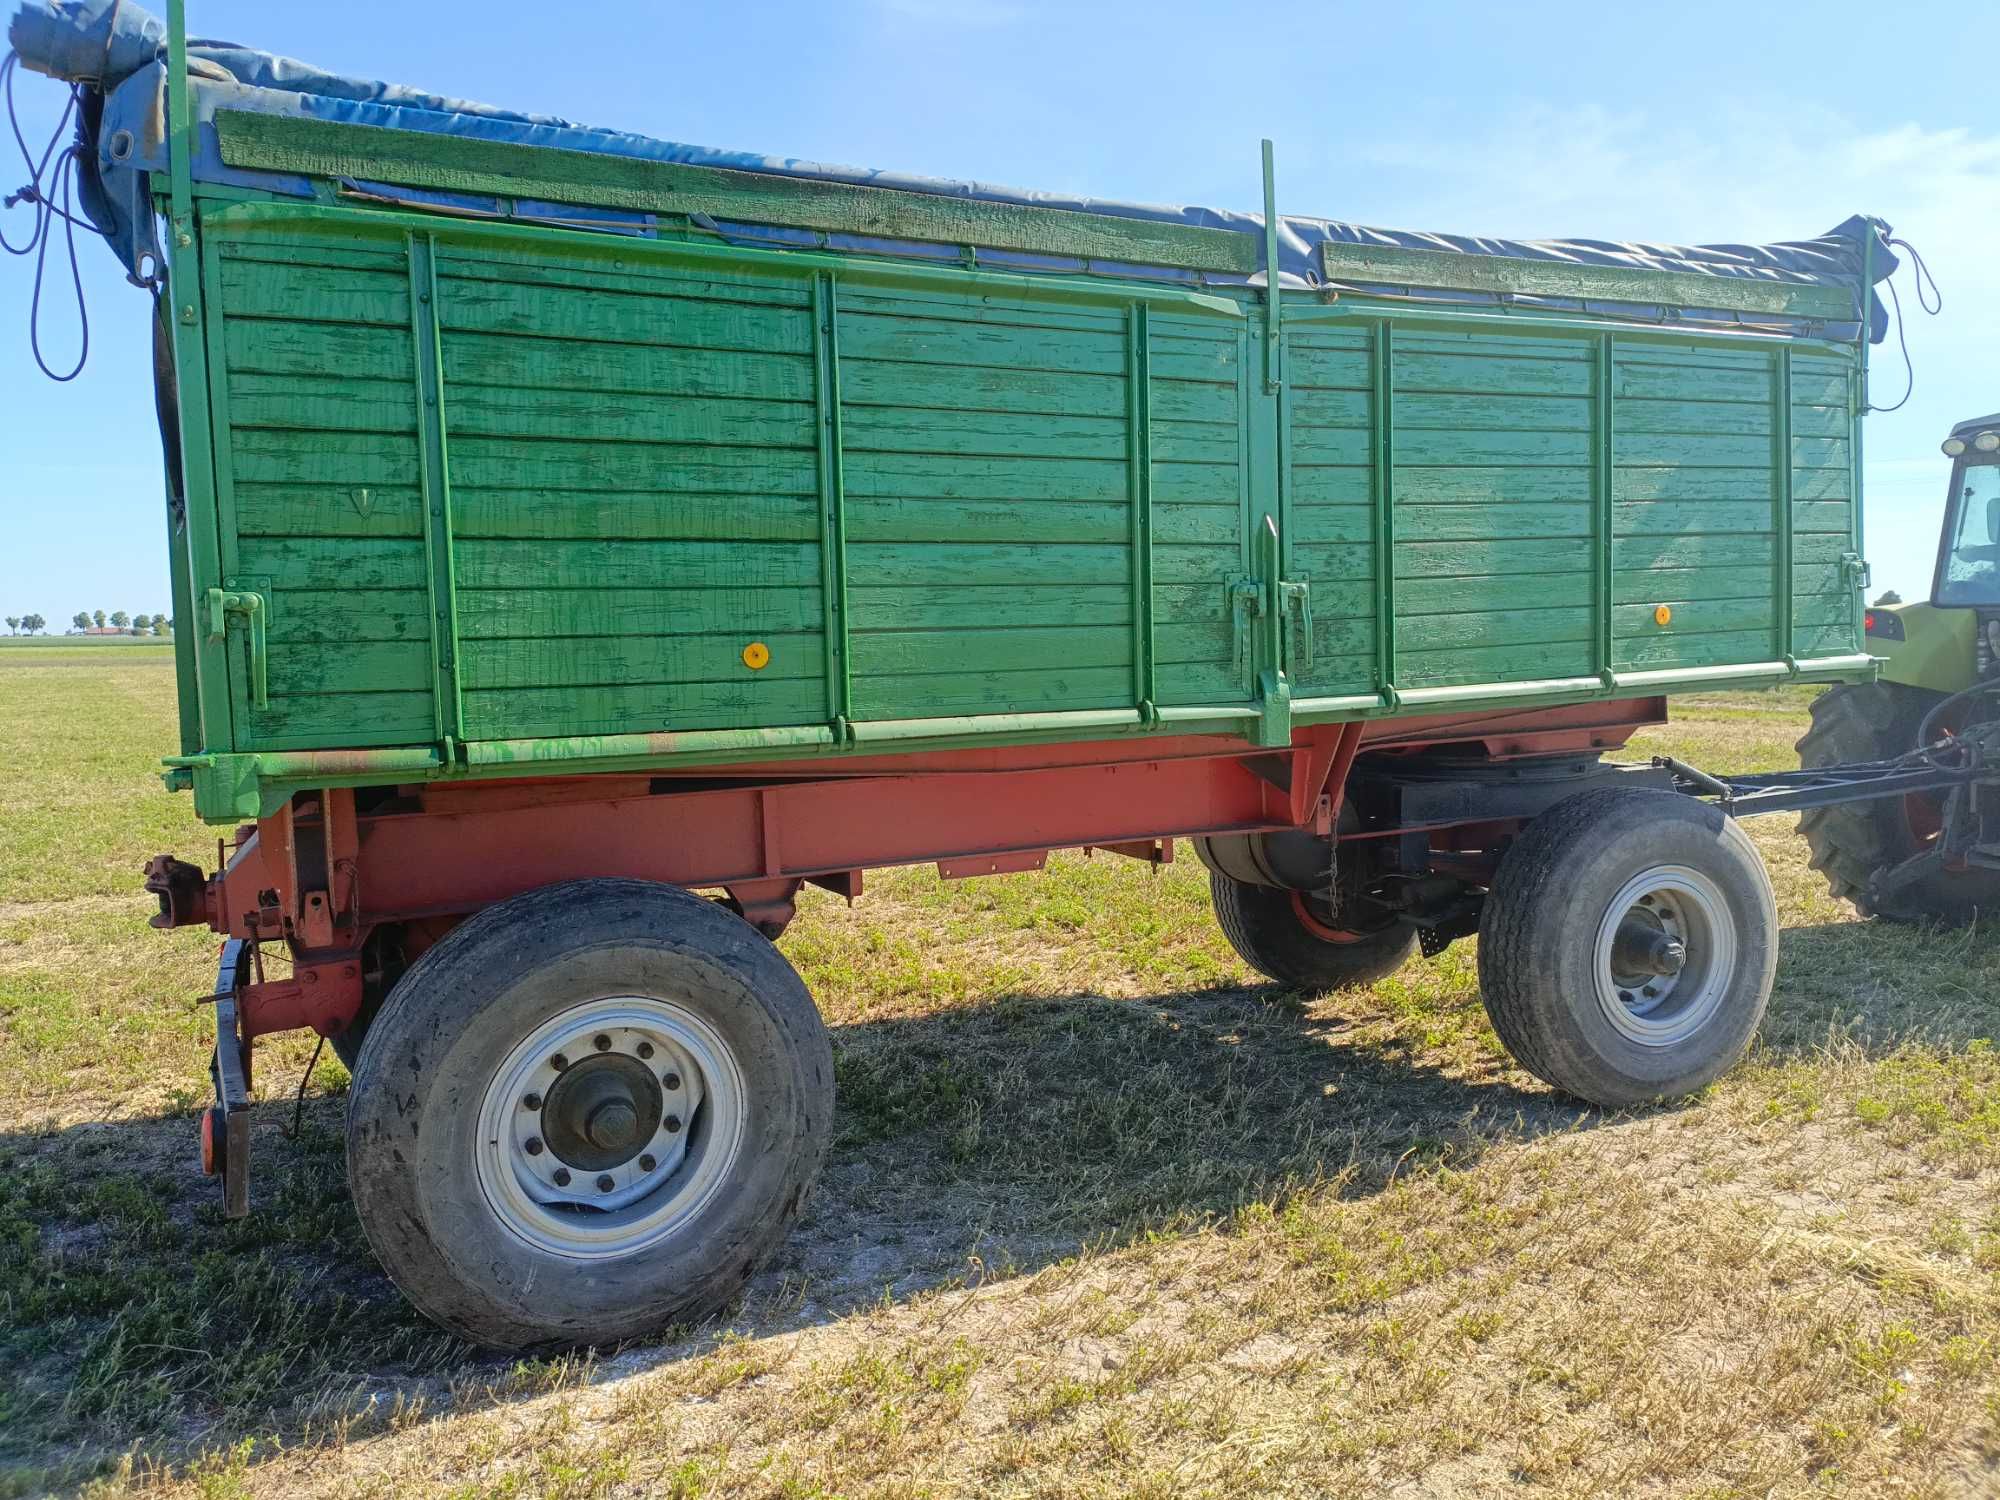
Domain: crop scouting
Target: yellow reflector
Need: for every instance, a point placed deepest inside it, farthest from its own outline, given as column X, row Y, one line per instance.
column 1662, row 614
column 756, row 656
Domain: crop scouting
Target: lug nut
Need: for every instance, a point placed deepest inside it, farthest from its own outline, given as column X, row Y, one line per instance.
column 645, row 1049
column 601, row 1042
column 531, row 1101
column 534, row 1145
column 558, row 1062
column 671, row 1080
column 562, row 1176
column 671, row 1124
column 606, row 1183
column 646, row 1164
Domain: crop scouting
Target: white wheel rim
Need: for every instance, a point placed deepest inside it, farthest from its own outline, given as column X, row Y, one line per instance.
column 1652, row 912
column 562, row 1180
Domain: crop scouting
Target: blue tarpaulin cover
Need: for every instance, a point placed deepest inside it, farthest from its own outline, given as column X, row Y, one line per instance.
column 115, row 51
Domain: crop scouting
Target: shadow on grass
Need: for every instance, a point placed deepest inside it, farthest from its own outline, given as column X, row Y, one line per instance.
column 972, row 1143
column 1877, row 987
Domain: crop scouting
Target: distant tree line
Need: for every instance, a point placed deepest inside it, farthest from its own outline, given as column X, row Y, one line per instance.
column 84, row 620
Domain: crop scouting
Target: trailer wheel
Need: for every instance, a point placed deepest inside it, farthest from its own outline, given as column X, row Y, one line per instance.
column 587, row 1113
column 1277, row 934
column 1854, row 841
column 1627, row 945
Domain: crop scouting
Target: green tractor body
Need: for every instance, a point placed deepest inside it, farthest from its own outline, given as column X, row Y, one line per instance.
column 1929, row 652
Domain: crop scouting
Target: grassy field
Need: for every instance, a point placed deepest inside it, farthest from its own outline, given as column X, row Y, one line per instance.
column 1104, row 1215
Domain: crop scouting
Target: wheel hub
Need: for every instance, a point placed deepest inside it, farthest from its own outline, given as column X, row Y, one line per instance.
column 609, row 1126
column 1666, row 948
column 600, row 1110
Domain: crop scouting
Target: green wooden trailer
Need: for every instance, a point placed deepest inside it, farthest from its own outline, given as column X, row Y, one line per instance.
column 562, row 524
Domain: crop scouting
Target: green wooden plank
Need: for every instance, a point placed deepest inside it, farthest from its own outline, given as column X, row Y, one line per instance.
column 1490, row 374
column 1475, row 484
column 637, row 277
column 1331, row 484
column 1477, row 629
column 1782, row 515
column 1097, row 311
column 1694, row 617
column 981, row 434
column 310, row 350
column 617, row 468
column 612, row 417
column 304, row 244
column 314, row 563
column 936, row 341
column 931, row 476
column 563, row 516
column 283, row 510
column 1442, row 596
column 1443, row 523
column 1706, row 450
column 337, row 617
column 320, row 148
column 317, row 669
column 316, row 294
column 1687, row 649
column 355, row 720
column 875, row 382
column 1693, row 552
column 514, row 361
column 528, row 713
column 933, row 695
column 601, row 661
column 1523, row 663
column 1691, row 517
column 1399, row 266
column 1484, row 413
column 519, row 612
column 1337, row 562
column 1318, row 525
column 334, row 460
column 488, row 563
column 1738, row 483
column 1682, row 585
column 924, row 604
column 572, row 313
column 1699, row 419
column 322, row 403
column 1476, row 559
column 1459, row 447
column 951, row 653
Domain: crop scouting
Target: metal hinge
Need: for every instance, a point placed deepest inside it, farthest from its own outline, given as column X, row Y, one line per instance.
column 222, row 603
column 1856, row 570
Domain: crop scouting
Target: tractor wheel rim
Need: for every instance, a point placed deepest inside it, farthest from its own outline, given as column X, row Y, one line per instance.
column 1666, row 949
column 609, row 1127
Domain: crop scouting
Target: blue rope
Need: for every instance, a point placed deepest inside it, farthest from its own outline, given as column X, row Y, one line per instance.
column 48, row 193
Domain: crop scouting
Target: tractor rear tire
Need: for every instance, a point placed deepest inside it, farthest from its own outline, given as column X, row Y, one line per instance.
column 1264, row 925
column 1853, row 842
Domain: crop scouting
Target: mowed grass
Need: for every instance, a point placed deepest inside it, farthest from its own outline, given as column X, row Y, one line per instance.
column 1104, row 1215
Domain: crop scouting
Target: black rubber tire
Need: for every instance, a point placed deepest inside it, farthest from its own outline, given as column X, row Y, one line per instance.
column 1265, row 930
column 443, row 1031
column 1538, row 934
column 1854, row 841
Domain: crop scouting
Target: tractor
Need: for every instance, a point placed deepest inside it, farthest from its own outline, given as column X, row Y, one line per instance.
column 1927, row 855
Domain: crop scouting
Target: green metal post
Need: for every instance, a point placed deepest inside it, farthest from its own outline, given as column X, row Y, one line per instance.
column 1861, row 413
column 1273, row 368
column 1139, row 450
column 1604, row 484
column 833, row 507
column 184, row 299
column 1382, row 455
column 1781, row 500
column 447, row 707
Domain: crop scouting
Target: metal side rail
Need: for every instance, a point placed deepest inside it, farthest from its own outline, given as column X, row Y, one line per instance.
column 1795, row 791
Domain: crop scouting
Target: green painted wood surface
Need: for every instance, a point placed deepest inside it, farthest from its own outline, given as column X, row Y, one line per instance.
column 590, row 476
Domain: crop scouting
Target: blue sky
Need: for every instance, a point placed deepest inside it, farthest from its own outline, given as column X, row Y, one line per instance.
column 1690, row 123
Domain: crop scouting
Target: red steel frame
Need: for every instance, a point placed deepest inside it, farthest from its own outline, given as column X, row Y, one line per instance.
column 320, row 876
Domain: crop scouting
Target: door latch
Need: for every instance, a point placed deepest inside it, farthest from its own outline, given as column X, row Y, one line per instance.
column 1246, row 603
column 223, row 603
column 1296, row 600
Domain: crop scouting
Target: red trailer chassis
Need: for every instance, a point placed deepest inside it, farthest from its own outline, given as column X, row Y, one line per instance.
column 331, row 869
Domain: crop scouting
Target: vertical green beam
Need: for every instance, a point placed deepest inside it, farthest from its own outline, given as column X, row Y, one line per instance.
column 1859, row 387
column 1604, row 452
column 833, row 505
column 435, row 470
column 203, row 565
column 1382, row 457
column 1139, row 451
column 1781, row 499
column 1273, row 369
